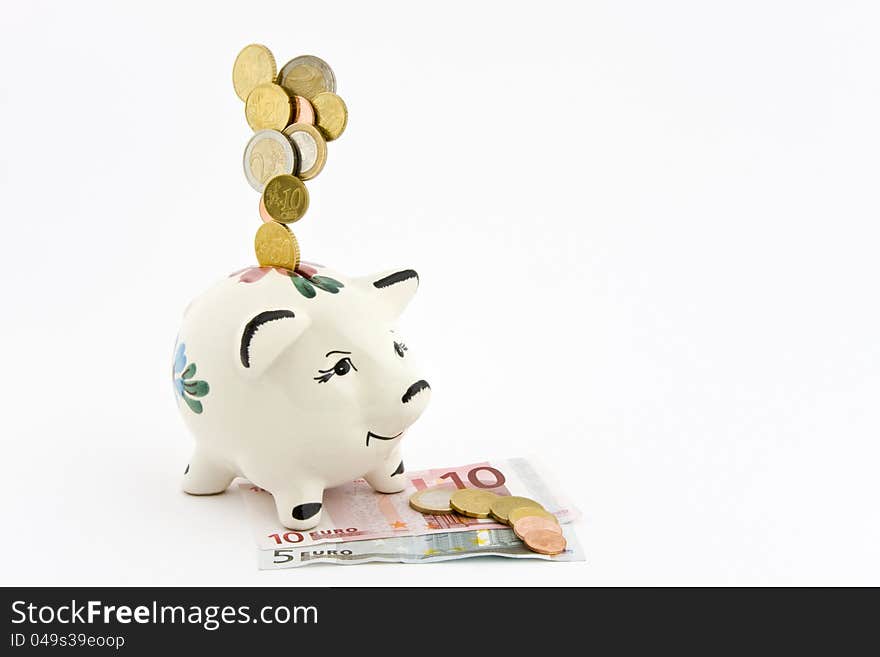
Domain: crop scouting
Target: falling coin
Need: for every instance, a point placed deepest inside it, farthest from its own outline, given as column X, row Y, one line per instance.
column 276, row 246
column 472, row 502
column 524, row 511
column 286, row 198
column 432, row 500
column 267, row 107
column 253, row 65
column 525, row 526
column 303, row 112
column 263, row 214
column 311, row 149
column 505, row 504
column 331, row 114
column 544, row 541
column 307, row 76
column 268, row 154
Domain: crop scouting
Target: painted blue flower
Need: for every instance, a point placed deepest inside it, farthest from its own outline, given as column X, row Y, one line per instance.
column 184, row 385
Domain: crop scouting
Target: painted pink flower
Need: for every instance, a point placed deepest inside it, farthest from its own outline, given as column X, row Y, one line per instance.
column 305, row 278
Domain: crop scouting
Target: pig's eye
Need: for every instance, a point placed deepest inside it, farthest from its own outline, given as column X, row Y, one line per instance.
column 400, row 348
column 343, row 366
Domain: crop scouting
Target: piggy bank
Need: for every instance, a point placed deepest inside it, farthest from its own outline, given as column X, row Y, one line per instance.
column 298, row 381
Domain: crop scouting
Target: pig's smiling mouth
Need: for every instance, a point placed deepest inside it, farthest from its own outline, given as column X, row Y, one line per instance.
column 370, row 434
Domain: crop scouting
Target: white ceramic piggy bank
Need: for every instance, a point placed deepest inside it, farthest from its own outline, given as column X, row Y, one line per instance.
column 298, row 382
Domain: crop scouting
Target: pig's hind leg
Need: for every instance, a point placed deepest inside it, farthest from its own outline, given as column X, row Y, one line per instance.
column 388, row 477
column 299, row 506
column 204, row 476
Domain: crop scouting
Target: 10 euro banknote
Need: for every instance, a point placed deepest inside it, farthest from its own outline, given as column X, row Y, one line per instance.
column 354, row 512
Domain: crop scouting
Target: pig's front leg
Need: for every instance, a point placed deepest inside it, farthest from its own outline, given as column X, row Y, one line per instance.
column 388, row 477
column 299, row 505
column 205, row 476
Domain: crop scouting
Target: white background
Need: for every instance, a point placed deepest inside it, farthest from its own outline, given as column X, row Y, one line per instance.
column 647, row 237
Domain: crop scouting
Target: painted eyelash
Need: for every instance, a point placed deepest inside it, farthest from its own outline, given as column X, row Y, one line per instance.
column 326, row 375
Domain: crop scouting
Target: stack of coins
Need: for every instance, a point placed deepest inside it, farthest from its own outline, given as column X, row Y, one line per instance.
column 534, row 525
column 293, row 113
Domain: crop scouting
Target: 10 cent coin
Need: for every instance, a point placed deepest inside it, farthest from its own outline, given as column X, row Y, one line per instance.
column 286, row 198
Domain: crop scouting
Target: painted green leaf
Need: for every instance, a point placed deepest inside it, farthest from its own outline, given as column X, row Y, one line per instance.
column 324, row 284
column 196, row 388
column 189, row 372
column 194, row 404
column 305, row 288
column 328, row 281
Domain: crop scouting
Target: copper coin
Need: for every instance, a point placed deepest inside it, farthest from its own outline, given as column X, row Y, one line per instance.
column 526, row 525
column 263, row 214
column 543, row 541
column 303, row 112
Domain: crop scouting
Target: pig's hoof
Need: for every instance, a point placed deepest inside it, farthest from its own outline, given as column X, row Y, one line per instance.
column 204, row 477
column 303, row 516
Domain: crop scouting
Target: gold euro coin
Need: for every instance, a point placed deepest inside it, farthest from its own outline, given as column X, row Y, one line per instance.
column 331, row 114
column 506, row 503
column 433, row 500
column 307, row 76
column 526, row 511
column 472, row 502
column 286, row 198
column 311, row 149
column 276, row 246
column 254, row 65
column 545, row 541
column 268, row 107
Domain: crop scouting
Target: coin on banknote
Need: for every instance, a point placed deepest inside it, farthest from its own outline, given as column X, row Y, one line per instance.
column 432, row 500
column 286, row 198
column 310, row 147
column 253, row 65
column 276, row 246
column 303, row 112
column 472, row 502
column 506, row 503
column 525, row 526
column 307, row 76
column 331, row 114
column 268, row 154
column 268, row 107
column 545, row 541
column 524, row 511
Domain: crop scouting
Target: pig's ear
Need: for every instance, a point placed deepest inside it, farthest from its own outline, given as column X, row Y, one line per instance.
column 394, row 289
column 265, row 336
